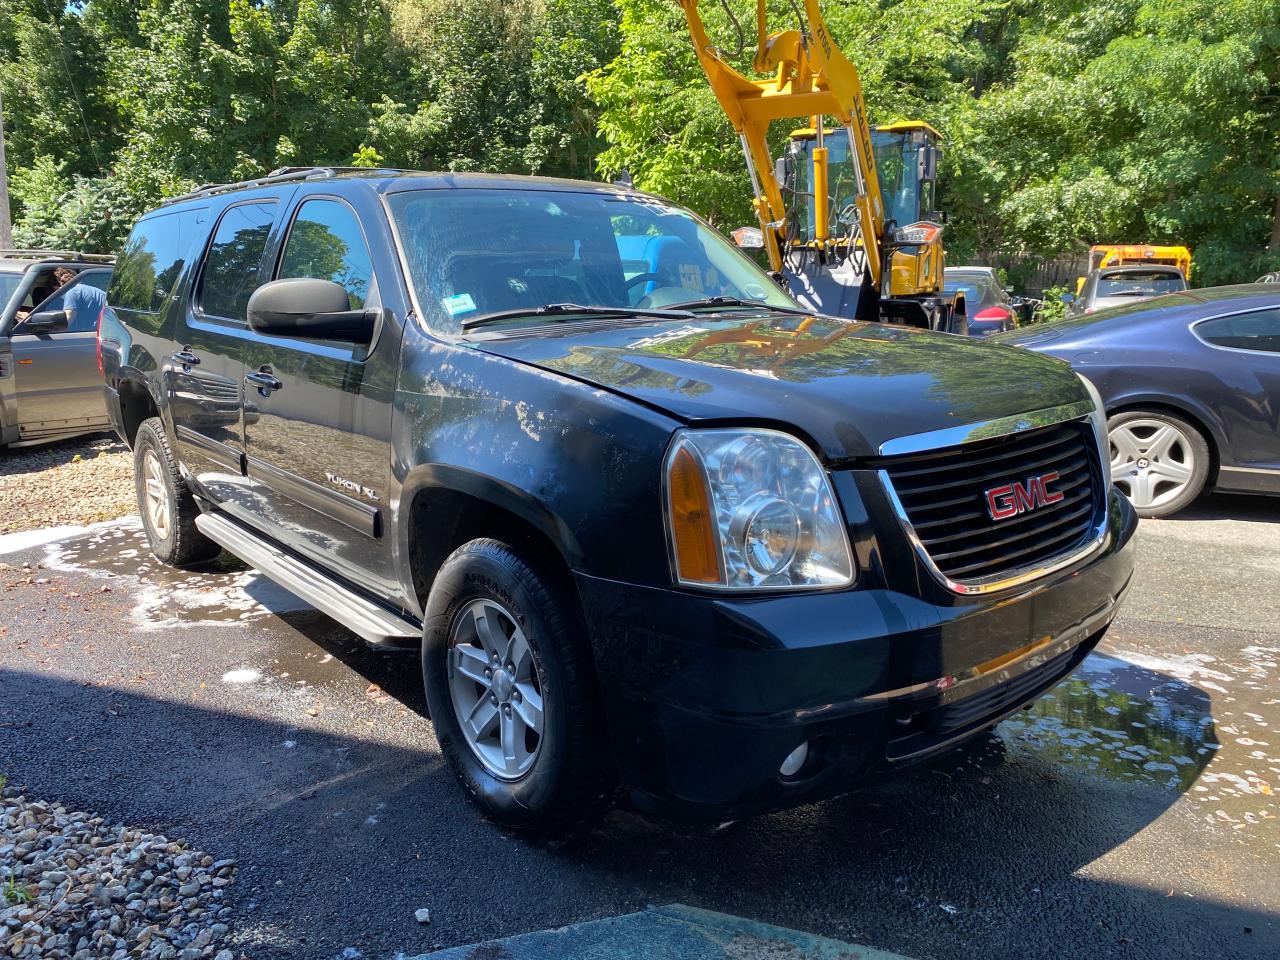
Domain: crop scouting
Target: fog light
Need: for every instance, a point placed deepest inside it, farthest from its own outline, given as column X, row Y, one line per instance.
column 795, row 760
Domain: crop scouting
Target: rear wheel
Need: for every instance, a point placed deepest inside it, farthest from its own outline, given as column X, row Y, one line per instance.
column 1160, row 461
column 510, row 689
column 168, row 509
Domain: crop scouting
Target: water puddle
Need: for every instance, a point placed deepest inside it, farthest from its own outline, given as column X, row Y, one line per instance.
column 225, row 592
column 1193, row 724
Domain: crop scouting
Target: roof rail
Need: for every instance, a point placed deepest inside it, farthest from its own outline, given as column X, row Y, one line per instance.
column 279, row 175
column 20, row 254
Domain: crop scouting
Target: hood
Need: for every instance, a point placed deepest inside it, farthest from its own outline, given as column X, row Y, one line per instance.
column 846, row 386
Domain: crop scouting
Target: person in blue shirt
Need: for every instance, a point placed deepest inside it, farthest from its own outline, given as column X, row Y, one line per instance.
column 81, row 302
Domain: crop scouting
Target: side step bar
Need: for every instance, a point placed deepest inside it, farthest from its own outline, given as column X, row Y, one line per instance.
column 361, row 616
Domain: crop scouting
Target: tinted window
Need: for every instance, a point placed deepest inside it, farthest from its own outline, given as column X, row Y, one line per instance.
column 84, row 297
column 978, row 292
column 8, row 286
column 151, row 260
column 233, row 265
column 325, row 243
column 1245, row 331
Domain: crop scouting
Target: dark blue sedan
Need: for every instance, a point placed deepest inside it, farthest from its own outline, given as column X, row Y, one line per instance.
column 1191, row 383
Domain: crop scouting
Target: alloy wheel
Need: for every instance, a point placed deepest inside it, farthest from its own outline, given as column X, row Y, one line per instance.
column 495, row 688
column 156, row 494
column 1152, row 461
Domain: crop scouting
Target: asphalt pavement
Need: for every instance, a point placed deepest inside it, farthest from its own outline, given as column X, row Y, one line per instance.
column 1131, row 814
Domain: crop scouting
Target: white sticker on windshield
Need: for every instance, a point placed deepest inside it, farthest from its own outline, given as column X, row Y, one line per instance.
column 459, row 303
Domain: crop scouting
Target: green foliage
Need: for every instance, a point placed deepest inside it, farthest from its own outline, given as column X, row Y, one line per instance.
column 1052, row 308
column 1067, row 122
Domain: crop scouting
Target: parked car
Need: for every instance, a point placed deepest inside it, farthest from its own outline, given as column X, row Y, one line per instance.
column 1114, row 286
column 1191, row 383
column 50, row 382
column 990, row 307
column 662, row 527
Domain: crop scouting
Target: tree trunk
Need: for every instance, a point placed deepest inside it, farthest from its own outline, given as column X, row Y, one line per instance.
column 6, row 226
column 1272, row 247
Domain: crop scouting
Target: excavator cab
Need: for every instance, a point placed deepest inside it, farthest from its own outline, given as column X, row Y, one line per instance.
column 906, row 156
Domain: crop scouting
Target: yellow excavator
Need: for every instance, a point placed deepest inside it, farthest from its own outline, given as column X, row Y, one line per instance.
column 846, row 213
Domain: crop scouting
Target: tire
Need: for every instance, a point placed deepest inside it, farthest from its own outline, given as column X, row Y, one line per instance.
column 487, row 596
column 167, row 507
column 1159, row 460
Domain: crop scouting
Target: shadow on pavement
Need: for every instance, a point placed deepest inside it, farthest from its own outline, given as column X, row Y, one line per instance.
column 1233, row 506
column 1009, row 848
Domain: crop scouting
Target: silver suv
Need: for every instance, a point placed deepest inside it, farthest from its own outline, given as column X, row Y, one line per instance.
column 50, row 379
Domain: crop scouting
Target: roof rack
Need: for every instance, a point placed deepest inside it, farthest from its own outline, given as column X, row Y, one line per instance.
column 19, row 254
column 279, row 175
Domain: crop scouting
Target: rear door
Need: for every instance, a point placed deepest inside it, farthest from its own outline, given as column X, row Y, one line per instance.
column 57, row 380
column 319, row 443
column 205, row 374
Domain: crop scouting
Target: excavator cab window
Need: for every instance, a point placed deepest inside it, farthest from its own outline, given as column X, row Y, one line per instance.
column 907, row 178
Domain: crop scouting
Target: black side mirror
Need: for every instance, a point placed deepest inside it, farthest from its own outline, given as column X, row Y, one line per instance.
column 46, row 321
column 927, row 163
column 310, row 309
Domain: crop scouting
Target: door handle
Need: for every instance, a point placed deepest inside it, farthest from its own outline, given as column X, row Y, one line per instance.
column 264, row 380
column 186, row 358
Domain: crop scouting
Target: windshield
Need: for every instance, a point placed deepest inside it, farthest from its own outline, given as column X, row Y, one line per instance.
column 474, row 252
column 8, row 286
column 1139, row 283
column 906, row 199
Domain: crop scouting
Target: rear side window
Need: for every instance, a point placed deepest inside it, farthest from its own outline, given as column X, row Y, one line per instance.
column 233, row 265
column 326, row 243
column 152, row 259
column 1245, row 331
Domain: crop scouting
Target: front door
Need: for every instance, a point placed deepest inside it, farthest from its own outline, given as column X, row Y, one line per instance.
column 318, row 447
column 58, row 384
column 206, row 372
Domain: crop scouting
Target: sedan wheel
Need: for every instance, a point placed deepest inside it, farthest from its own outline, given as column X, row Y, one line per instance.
column 1157, row 460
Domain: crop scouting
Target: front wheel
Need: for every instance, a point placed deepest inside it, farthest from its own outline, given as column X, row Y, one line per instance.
column 1158, row 460
column 511, row 690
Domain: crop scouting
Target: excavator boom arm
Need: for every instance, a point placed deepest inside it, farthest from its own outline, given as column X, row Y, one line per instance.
column 811, row 80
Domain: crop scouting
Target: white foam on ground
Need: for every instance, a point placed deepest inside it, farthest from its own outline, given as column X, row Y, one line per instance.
column 26, row 539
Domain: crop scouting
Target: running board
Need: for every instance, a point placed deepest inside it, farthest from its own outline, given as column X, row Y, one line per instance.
column 361, row 616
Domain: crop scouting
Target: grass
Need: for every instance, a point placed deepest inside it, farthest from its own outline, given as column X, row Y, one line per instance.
column 12, row 892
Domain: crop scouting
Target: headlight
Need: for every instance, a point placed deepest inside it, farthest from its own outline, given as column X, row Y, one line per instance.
column 752, row 509
column 1099, row 417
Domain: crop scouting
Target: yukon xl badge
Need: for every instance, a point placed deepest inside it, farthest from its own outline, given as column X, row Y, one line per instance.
column 1011, row 499
column 351, row 486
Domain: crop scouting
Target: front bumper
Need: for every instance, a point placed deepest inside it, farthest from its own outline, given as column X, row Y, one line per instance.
column 705, row 696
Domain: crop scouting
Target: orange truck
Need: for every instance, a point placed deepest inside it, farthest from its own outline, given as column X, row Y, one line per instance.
column 1103, row 255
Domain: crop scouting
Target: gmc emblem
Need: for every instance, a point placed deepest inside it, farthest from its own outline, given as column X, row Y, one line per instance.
column 1014, row 498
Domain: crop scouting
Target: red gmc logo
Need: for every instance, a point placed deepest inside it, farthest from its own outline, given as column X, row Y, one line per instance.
column 1014, row 498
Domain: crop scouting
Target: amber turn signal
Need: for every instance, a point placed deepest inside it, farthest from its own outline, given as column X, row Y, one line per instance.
column 692, row 520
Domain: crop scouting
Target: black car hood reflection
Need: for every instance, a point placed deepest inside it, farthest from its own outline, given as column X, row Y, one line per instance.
column 847, row 386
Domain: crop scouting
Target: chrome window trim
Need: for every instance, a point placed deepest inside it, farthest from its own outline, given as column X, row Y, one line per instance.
column 1199, row 321
column 985, row 429
column 1267, row 471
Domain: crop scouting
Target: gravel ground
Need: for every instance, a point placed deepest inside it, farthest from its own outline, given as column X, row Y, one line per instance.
column 74, row 888
column 73, row 482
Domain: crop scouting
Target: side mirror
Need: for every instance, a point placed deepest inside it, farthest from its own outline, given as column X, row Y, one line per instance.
column 927, row 163
column 46, row 321
column 310, row 309
column 748, row 238
column 1068, row 298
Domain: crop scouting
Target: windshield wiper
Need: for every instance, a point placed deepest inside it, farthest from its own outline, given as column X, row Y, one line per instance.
column 736, row 302
column 563, row 309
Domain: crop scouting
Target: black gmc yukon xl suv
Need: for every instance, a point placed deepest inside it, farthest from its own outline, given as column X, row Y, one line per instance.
column 651, row 523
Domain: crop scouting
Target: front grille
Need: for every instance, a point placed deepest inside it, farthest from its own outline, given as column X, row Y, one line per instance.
column 943, row 493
